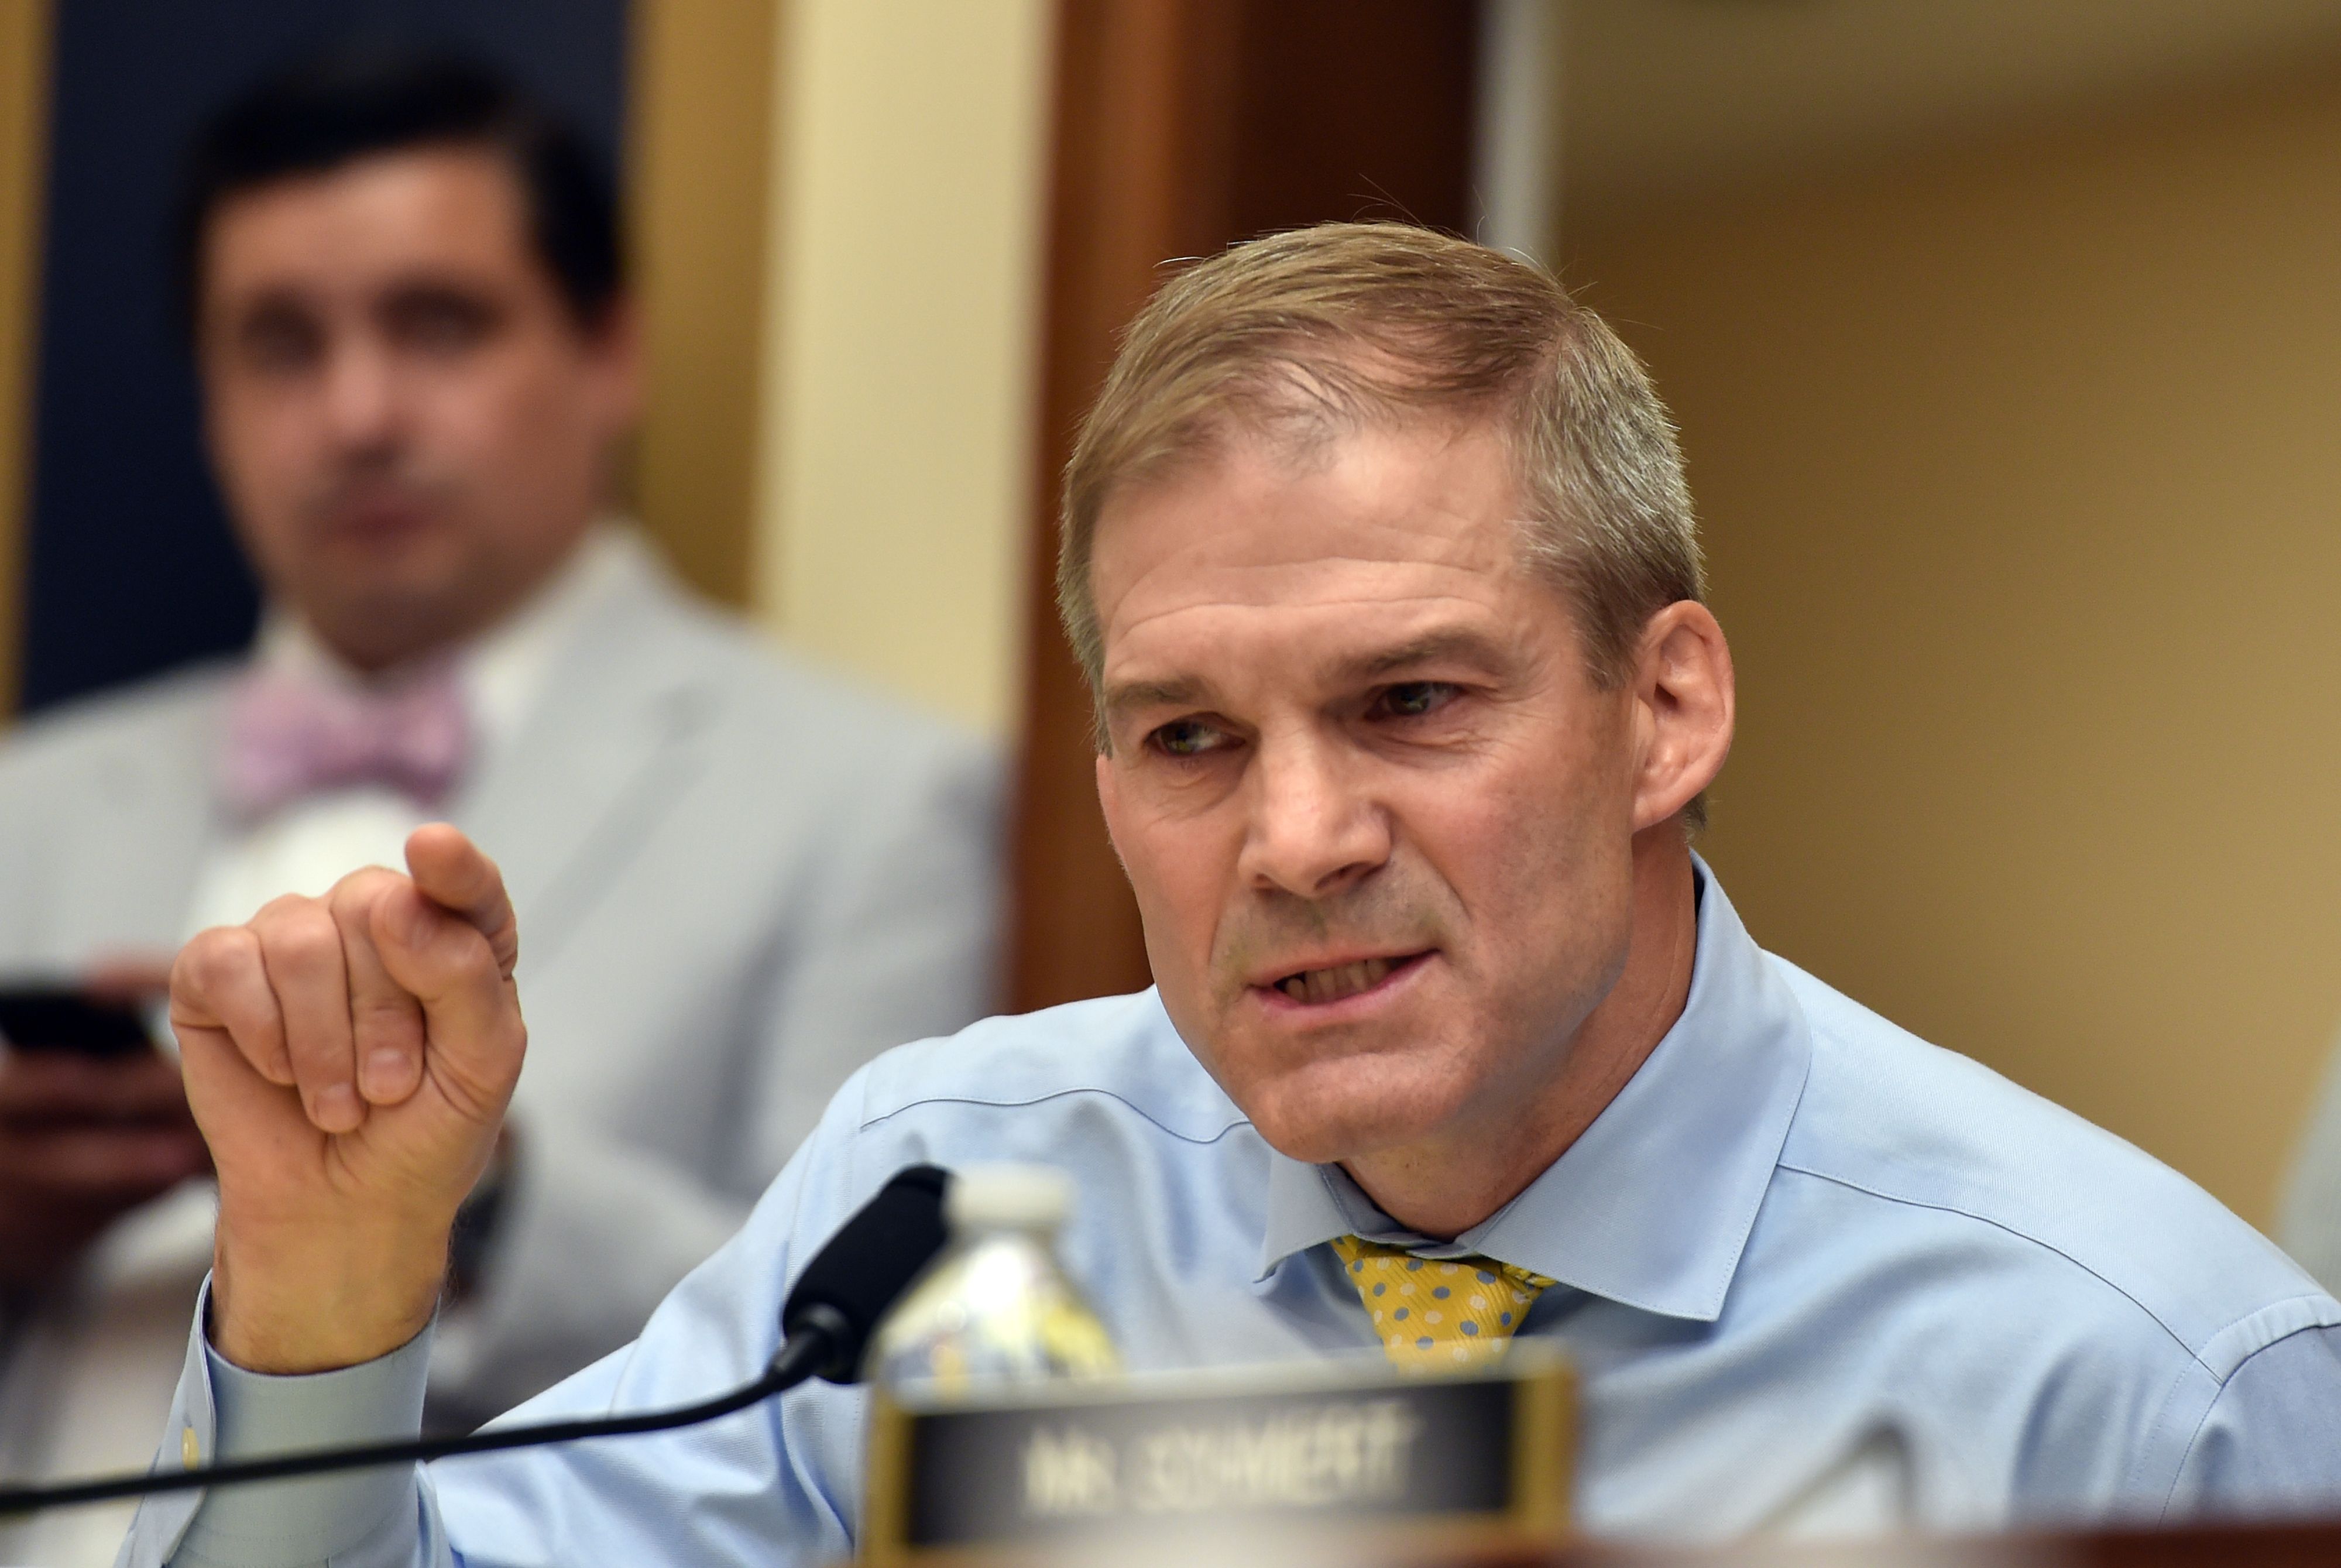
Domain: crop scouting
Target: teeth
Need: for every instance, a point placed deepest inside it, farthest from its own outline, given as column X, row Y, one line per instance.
column 1321, row 985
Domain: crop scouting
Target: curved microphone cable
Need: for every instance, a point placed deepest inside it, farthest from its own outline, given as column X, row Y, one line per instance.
column 824, row 1327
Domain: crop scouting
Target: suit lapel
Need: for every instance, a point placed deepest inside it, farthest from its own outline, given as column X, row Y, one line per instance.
column 612, row 738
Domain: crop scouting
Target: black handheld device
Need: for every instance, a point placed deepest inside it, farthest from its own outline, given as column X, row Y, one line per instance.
column 39, row 1015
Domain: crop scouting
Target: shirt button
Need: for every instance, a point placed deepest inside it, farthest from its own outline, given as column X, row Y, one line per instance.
column 191, row 1453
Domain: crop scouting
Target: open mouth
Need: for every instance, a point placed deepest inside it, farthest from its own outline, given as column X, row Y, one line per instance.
column 1316, row 988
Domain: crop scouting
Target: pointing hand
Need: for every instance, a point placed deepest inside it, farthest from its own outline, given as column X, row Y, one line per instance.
column 349, row 1059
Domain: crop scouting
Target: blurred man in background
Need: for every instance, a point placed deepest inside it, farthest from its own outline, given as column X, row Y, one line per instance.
column 403, row 289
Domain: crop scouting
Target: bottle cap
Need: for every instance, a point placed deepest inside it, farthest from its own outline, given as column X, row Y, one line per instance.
column 1008, row 1197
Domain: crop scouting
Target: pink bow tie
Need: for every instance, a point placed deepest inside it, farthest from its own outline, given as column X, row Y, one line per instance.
column 289, row 737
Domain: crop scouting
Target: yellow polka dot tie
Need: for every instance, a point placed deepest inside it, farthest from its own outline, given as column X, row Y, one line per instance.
column 1431, row 1314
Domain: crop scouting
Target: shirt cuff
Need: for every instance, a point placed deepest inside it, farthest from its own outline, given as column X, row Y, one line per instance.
column 278, row 1523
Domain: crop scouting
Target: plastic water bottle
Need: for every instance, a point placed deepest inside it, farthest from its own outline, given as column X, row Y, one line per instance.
column 995, row 1307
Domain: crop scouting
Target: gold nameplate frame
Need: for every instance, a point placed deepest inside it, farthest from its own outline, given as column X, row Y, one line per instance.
column 1177, row 1466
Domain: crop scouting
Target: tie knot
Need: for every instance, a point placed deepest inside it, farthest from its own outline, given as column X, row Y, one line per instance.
column 1438, row 1312
column 290, row 735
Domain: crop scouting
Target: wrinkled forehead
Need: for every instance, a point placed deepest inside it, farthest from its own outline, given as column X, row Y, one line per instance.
column 1420, row 511
column 1265, row 476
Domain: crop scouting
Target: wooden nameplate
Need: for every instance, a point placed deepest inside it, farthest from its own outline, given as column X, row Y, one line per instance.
column 1301, row 1461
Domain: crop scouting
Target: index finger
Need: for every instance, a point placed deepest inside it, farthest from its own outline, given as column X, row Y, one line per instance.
column 219, row 990
column 451, row 872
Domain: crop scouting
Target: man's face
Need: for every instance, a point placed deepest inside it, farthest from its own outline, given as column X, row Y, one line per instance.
column 410, row 425
column 1378, row 817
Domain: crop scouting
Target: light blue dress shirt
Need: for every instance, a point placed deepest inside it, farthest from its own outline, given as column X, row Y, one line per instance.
column 1815, row 1273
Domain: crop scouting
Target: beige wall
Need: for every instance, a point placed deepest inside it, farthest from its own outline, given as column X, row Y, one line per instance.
column 699, row 193
column 896, row 452
column 2022, row 474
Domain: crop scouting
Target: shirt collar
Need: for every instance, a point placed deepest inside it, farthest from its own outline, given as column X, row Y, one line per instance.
column 504, row 666
column 1652, row 1206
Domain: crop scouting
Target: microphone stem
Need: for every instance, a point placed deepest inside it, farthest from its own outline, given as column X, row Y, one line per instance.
column 802, row 1355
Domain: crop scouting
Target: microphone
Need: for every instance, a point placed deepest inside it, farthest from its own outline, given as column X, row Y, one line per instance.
column 824, row 1328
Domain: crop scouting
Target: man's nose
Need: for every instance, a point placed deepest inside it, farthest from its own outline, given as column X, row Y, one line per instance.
column 361, row 395
column 1315, row 830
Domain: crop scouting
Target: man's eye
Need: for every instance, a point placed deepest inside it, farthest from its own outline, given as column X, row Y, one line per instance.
column 1414, row 699
column 1187, row 738
column 441, row 324
column 279, row 344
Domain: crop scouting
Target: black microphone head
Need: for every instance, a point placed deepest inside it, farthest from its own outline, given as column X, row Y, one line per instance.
column 867, row 1264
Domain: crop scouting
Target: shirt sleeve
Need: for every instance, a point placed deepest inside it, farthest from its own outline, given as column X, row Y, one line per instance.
column 2270, row 1445
column 595, row 1232
column 775, row 1484
column 381, row 1518
column 778, row 1482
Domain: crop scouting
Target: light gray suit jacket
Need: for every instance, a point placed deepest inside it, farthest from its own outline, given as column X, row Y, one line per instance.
column 736, row 881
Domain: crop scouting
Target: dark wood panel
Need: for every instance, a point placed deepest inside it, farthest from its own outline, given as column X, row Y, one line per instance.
column 1353, row 109
column 2299, row 1545
column 2296, row 1545
column 1181, row 127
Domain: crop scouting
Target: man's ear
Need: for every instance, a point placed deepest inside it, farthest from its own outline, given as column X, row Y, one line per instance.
column 613, row 345
column 1108, row 788
column 1108, row 797
column 1683, row 710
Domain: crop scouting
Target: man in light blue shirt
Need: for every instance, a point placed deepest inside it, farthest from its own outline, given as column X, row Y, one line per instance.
column 1378, row 555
